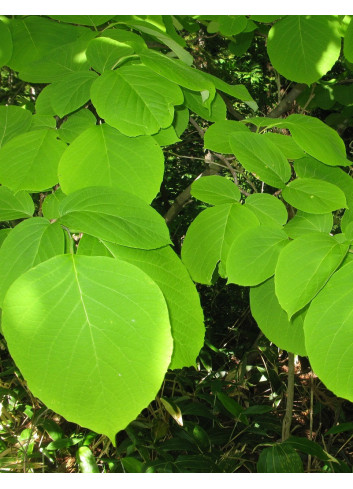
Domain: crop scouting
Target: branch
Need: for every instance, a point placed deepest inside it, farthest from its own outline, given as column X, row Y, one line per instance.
column 287, row 102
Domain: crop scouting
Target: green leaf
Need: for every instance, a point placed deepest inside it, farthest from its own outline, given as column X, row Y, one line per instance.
column 340, row 428
column 217, row 136
column 210, row 235
column 15, row 205
column 304, row 266
column 59, row 62
column 261, row 157
column 181, row 120
column 311, row 168
column 317, row 139
column 43, row 103
column 103, row 53
column 33, row 37
column 166, row 137
column 72, row 92
column 3, row 234
column 241, row 43
column 253, row 256
column 286, row 145
column 329, row 333
column 85, row 315
column 215, row 189
column 50, row 207
column 233, row 407
column 310, row 447
column 348, row 43
column 179, row 73
column 102, row 156
column 171, row 276
column 269, row 210
column 218, row 109
column 131, row 465
column 115, row 216
column 126, row 37
column 314, row 196
column 89, row 20
column 75, row 124
column 13, row 121
column 86, row 461
column 5, row 43
column 237, row 91
column 303, row 48
column 135, row 100
column 273, row 320
column 279, row 458
column 39, row 121
column 30, row 161
column 171, row 134
column 303, row 223
column 230, row 25
column 29, row 243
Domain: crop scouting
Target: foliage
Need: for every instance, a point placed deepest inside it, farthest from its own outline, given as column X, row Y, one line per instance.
column 97, row 305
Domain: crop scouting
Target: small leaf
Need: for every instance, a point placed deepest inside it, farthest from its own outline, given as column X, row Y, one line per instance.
column 114, row 215
column 217, row 111
column 233, row 407
column 303, row 223
column 261, row 157
column 269, row 210
column 253, row 256
column 50, row 207
column 5, row 43
column 30, row 161
column 310, row 447
column 135, row 100
column 73, row 91
column 75, row 124
column 317, row 139
column 217, row 136
column 15, row 205
column 101, row 155
column 103, row 53
column 86, row 462
column 304, row 266
column 210, row 235
column 215, row 189
column 314, row 196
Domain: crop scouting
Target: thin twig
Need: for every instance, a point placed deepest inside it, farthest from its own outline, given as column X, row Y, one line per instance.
column 287, row 420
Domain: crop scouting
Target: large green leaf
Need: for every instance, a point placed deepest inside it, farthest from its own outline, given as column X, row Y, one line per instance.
column 268, row 209
column 253, row 256
column 215, row 189
column 29, row 243
column 101, row 155
column 34, row 36
column 209, row 237
column 13, row 121
column 136, row 41
column 75, row 124
column 273, row 320
column 303, row 223
column 179, row 73
column 50, row 207
column 114, row 215
column 228, row 25
column 5, row 44
column 103, row 53
column 303, row 268
column 135, row 100
column 261, row 157
column 101, row 318
column 15, row 205
column 166, row 269
column 70, row 93
column 317, row 139
column 303, row 48
column 314, row 196
column 329, row 333
column 30, row 161
column 310, row 168
column 217, row 136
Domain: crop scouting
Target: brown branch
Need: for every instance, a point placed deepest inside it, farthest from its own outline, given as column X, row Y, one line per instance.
column 287, row 102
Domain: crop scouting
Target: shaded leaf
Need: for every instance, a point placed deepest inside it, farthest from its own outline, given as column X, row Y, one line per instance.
column 215, row 189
